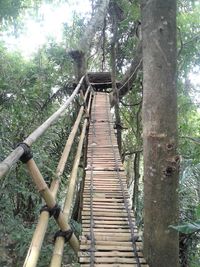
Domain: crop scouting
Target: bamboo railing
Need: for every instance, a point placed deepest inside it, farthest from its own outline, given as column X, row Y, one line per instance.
column 38, row 236
column 59, row 243
column 15, row 155
column 49, row 194
column 99, row 189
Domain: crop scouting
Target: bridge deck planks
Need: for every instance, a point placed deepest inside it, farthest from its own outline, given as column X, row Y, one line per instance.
column 106, row 231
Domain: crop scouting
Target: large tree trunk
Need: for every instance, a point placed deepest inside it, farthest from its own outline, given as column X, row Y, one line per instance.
column 94, row 25
column 160, row 132
column 81, row 52
column 113, row 67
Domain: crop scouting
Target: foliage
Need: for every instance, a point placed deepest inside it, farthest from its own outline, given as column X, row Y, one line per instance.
column 10, row 9
column 188, row 228
column 27, row 99
column 32, row 90
column 188, row 114
column 188, row 36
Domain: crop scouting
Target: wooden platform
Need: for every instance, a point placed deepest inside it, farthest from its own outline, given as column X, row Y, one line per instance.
column 109, row 235
column 100, row 81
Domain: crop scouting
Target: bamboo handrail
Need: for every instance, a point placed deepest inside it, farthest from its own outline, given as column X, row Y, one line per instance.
column 15, row 155
column 57, row 256
column 63, row 160
column 50, row 201
column 56, row 260
column 39, row 233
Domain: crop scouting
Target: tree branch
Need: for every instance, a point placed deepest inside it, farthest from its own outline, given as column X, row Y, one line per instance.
column 132, row 152
column 94, row 25
column 130, row 105
column 181, row 41
column 193, row 139
column 131, row 73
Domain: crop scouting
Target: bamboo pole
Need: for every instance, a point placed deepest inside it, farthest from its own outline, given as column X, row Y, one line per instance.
column 38, row 236
column 67, row 149
column 57, row 256
column 50, row 201
column 56, row 260
column 37, row 240
column 15, row 155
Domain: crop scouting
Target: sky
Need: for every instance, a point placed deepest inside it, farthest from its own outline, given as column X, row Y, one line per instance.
column 37, row 32
column 195, row 77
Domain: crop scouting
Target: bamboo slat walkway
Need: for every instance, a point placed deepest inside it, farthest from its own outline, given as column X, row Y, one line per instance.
column 109, row 235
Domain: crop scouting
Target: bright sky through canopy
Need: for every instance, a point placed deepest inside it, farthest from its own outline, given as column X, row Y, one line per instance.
column 37, row 32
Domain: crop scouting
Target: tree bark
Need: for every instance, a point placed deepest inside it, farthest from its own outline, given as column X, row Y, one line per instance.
column 161, row 162
column 96, row 23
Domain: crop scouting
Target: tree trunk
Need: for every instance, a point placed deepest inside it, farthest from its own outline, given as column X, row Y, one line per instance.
column 136, row 168
column 161, row 162
column 96, row 23
column 82, row 50
column 80, row 67
column 116, row 97
column 113, row 78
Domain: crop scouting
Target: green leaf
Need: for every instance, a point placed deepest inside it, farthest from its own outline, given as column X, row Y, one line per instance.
column 198, row 212
column 187, row 228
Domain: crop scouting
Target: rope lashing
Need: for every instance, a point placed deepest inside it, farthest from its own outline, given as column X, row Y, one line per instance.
column 55, row 211
column 27, row 155
column 65, row 234
column 92, row 223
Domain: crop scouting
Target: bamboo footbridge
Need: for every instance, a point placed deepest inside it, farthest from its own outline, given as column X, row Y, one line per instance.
column 109, row 235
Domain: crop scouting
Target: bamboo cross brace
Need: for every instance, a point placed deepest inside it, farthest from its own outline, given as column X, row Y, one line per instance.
column 50, row 201
column 59, row 244
column 56, row 260
column 38, row 236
